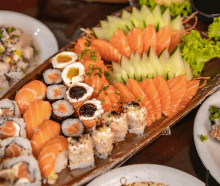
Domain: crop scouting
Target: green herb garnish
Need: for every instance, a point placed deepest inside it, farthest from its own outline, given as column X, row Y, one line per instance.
column 83, row 53
column 68, row 49
column 18, row 53
column 139, row 99
column 104, row 88
column 100, row 70
column 94, row 58
column 203, row 138
column 214, row 29
column 1, row 35
column 98, row 74
column 87, row 44
column 15, row 35
column 118, row 99
column 9, row 30
column 117, row 91
column 102, row 100
column 107, row 75
column 106, row 93
column 214, row 113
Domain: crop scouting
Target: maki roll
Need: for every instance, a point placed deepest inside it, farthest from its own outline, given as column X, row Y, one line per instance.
column 11, row 126
column 72, row 127
column 21, row 171
column 78, row 94
column 90, row 113
column 9, row 107
column 103, row 141
column 15, row 146
column 62, row 109
column 73, row 73
column 118, row 123
column 55, row 92
column 53, row 158
column 136, row 117
column 61, row 60
column 52, row 76
column 80, row 152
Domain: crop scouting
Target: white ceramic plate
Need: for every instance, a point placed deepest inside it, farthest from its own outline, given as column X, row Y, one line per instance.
column 41, row 34
column 209, row 151
column 146, row 172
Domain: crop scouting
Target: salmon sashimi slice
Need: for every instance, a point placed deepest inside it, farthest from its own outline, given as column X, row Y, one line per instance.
column 177, row 87
column 174, row 40
column 8, row 129
column 13, row 150
column 135, row 40
column 125, row 94
column 164, row 94
column 107, row 51
column 149, row 38
column 48, row 155
column 36, row 114
column 191, row 89
column 135, row 88
column 90, row 64
column 28, row 93
column 23, row 172
column 163, row 39
column 120, row 41
column 47, row 130
column 151, row 92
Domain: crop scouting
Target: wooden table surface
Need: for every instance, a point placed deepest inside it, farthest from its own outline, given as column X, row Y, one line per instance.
column 65, row 18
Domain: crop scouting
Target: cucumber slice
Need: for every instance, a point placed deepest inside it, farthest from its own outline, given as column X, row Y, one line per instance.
column 126, row 66
column 144, row 56
column 116, row 23
column 137, row 66
column 177, row 24
column 166, row 19
column 101, row 33
column 104, row 24
column 119, row 75
column 164, row 55
column 137, row 19
column 125, row 15
column 188, row 75
column 164, row 61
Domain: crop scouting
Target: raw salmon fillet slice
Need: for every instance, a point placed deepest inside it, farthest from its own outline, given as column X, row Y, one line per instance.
column 174, row 40
column 191, row 89
column 125, row 94
column 8, row 130
column 138, row 92
column 13, row 150
column 151, row 92
column 107, row 51
column 149, row 38
column 135, row 40
column 163, row 39
column 177, row 87
column 120, row 41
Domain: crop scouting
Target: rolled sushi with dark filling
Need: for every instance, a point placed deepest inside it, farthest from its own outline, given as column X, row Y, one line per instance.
column 14, row 147
column 55, row 92
column 103, row 141
column 118, row 123
column 90, row 113
column 72, row 127
column 11, row 126
column 136, row 117
column 214, row 117
column 80, row 151
column 78, row 94
column 52, row 76
column 9, row 107
column 21, row 171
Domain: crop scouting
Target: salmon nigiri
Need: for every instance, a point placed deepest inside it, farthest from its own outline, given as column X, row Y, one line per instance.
column 125, row 94
column 37, row 112
column 141, row 97
column 177, row 87
column 174, row 40
column 151, row 92
column 164, row 94
column 53, row 158
column 135, row 40
column 163, row 39
column 44, row 133
column 120, row 41
column 107, row 51
column 28, row 93
column 149, row 38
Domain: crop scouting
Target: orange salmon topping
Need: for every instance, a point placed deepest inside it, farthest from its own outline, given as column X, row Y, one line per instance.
column 8, row 129
column 57, row 92
column 62, row 58
column 62, row 108
column 13, row 150
column 24, row 173
column 53, row 77
column 73, row 129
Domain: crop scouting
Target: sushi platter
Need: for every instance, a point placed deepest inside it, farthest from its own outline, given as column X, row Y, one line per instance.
column 91, row 107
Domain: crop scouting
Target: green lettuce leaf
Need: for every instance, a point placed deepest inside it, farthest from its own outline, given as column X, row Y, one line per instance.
column 214, row 29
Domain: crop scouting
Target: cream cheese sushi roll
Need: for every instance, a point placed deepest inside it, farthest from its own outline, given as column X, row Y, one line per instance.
column 21, row 171
column 9, row 107
column 55, row 92
column 80, row 151
column 136, row 117
column 78, row 94
column 118, row 123
column 15, row 146
column 103, row 141
column 52, row 76
column 11, row 126
column 73, row 74
column 72, row 127
column 61, row 60
column 90, row 113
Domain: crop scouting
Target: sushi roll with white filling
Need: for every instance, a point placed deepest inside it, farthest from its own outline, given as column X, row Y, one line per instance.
column 21, row 171
column 9, row 107
column 52, row 76
column 118, row 123
column 11, row 126
column 136, row 117
column 103, row 141
column 55, row 92
column 81, row 153
column 15, row 146
column 72, row 127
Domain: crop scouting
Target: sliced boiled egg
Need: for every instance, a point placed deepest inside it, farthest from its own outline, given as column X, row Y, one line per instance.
column 73, row 73
column 63, row 59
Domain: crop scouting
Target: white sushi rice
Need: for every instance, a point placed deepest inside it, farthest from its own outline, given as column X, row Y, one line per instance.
column 68, row 122
column 11, row 106
column 81, row 153
column 61, row 161
column 50, row 92
column 51, row 71
column 70, row 109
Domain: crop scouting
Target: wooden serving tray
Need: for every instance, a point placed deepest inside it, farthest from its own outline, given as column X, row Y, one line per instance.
column 133, row 144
